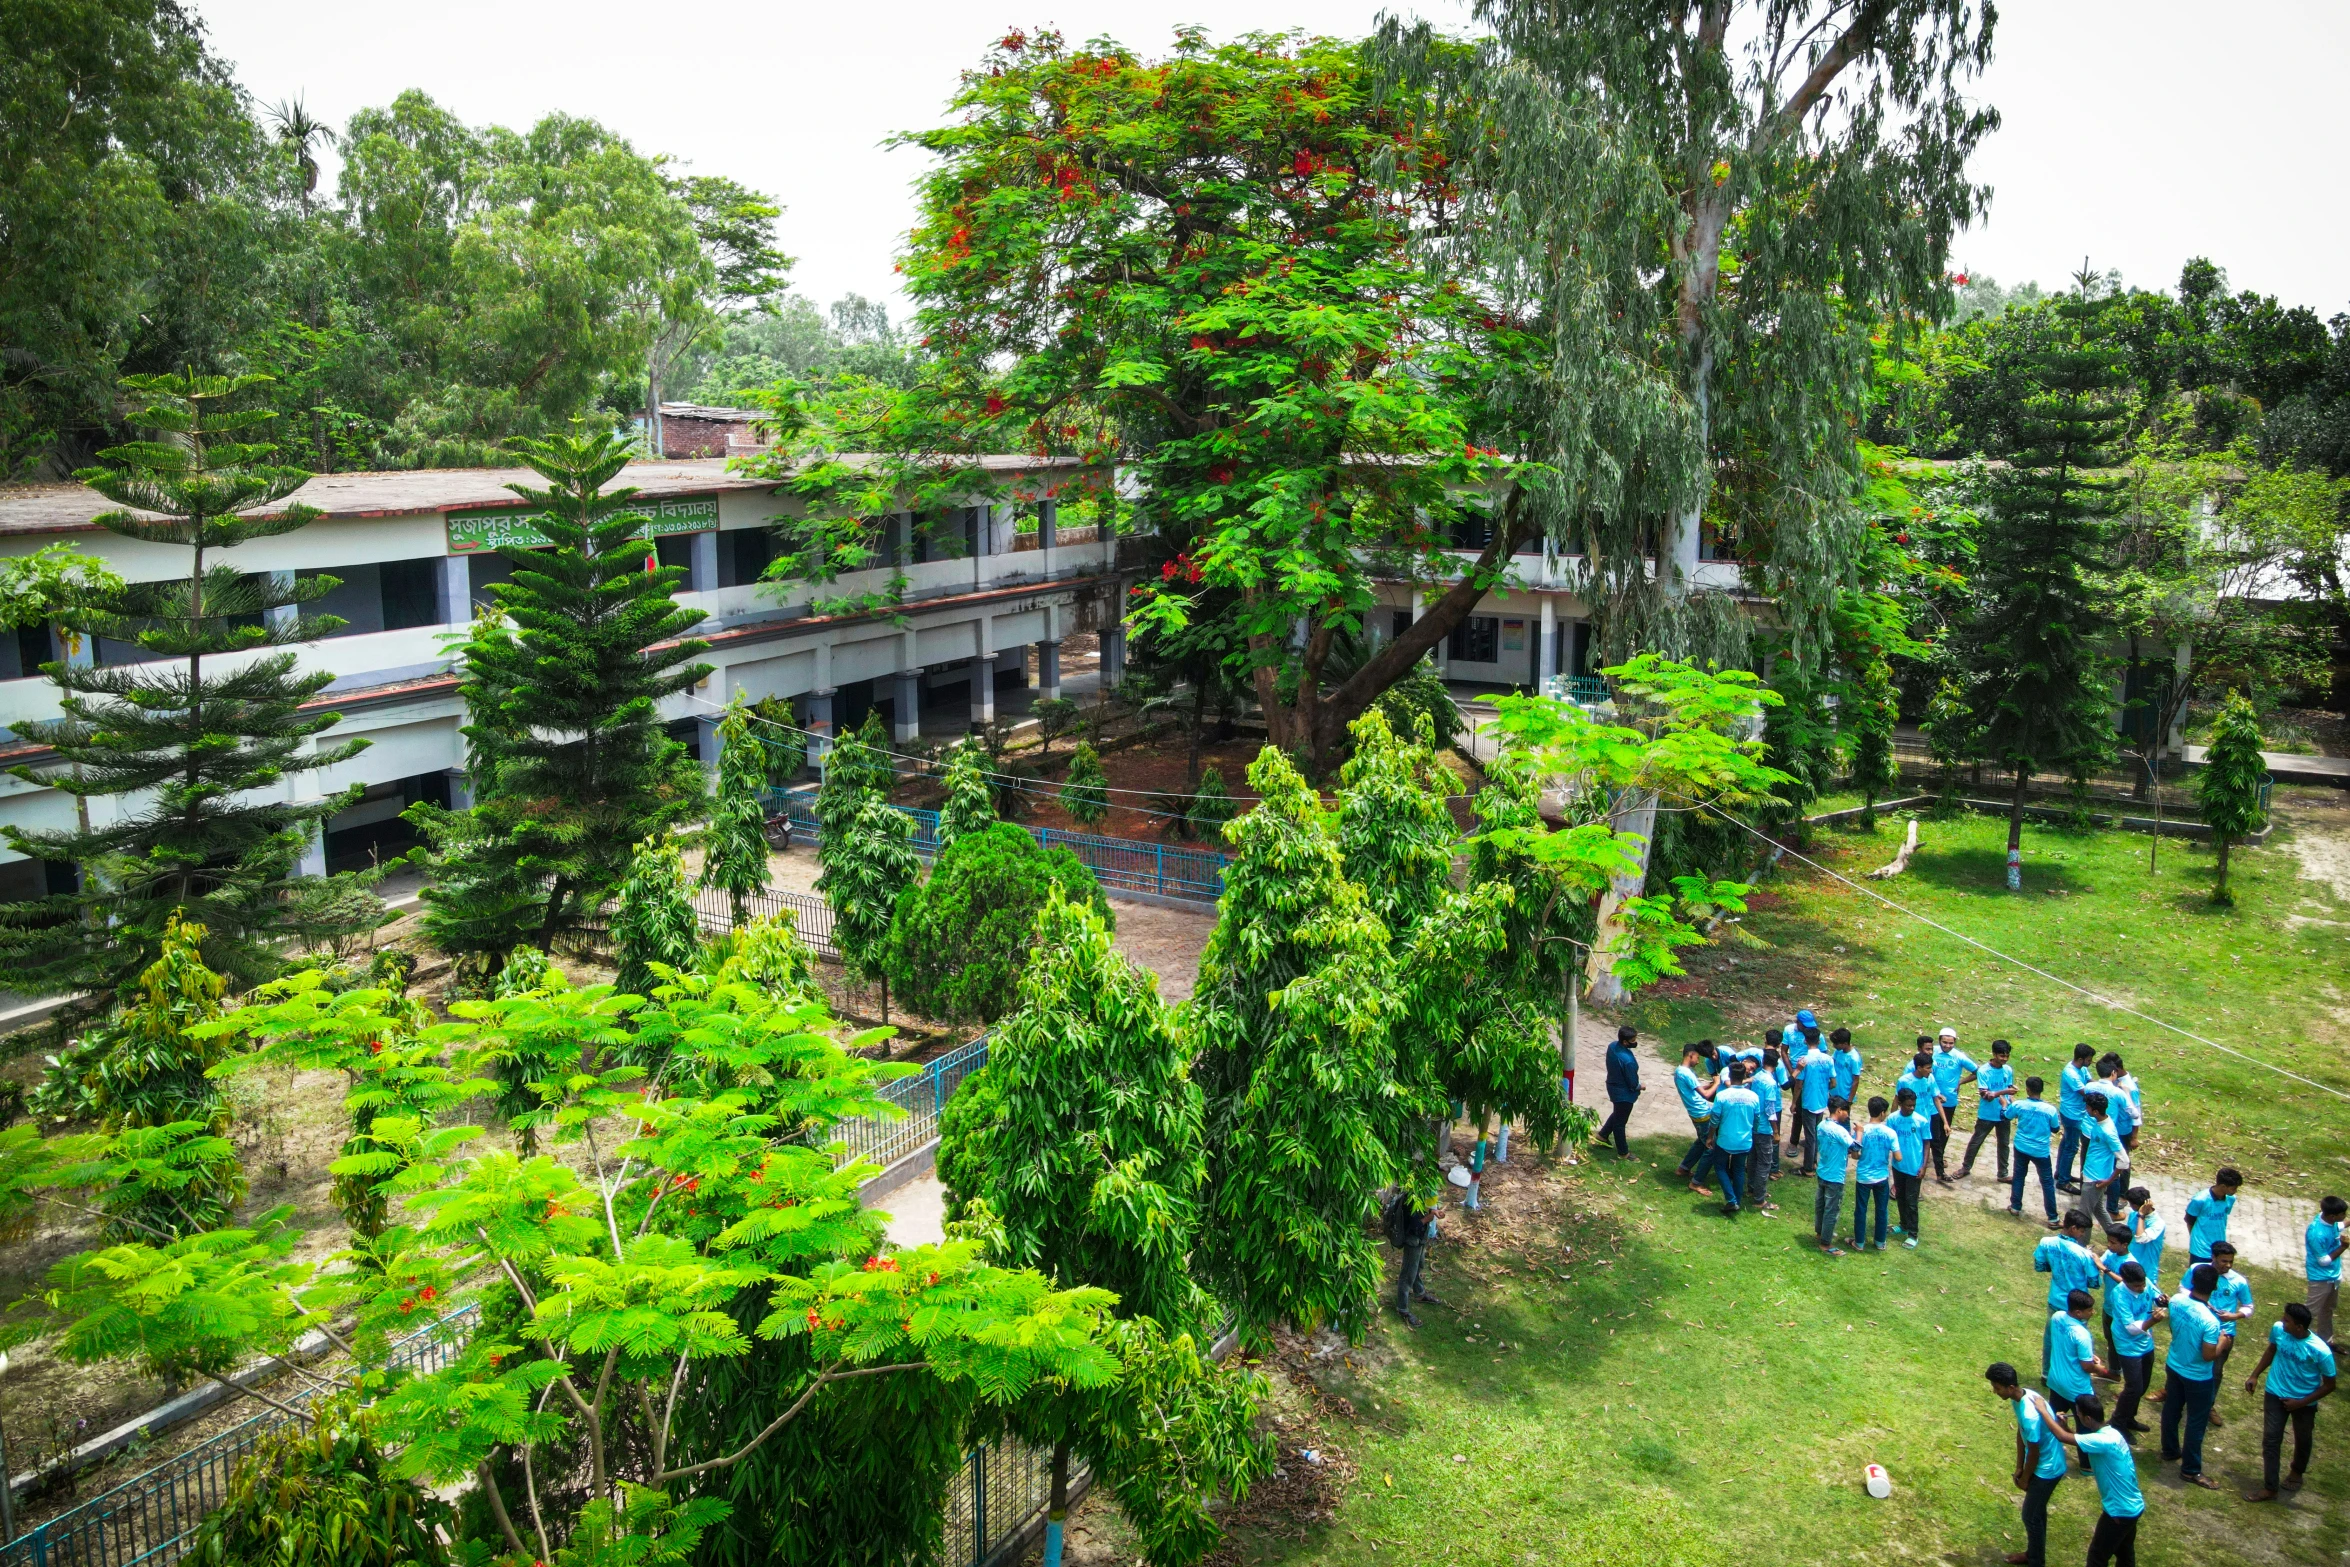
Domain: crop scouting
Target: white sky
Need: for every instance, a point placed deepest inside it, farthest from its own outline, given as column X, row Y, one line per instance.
column 2138, row 132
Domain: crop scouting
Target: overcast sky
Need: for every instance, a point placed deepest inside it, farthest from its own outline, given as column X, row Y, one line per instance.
column 2138, row 132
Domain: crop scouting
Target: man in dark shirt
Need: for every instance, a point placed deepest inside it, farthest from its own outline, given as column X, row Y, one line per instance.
column 1623, row 1089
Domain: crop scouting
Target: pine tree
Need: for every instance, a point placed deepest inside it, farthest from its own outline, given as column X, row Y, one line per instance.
column 969, row 806
column 1085, row 795
column 2037, row 682
column 1083, row 1132
column 1871, row 715
column 734, row 855
column 563, row 691
column 654, row 920
column 865, row 870
column 1291, row 1032
column 1394, row 828
column 2229, row 790
column 152, row 1074
column 199, row 739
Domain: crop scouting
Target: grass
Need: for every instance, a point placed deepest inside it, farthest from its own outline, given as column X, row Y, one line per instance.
column 1696, row 1392
column 2265, row 977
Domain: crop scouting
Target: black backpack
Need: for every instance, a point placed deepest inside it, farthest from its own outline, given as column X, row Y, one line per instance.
column 1405, row 1226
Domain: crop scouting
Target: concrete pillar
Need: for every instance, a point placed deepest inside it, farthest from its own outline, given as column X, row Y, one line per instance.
column 453, row 578
column 819, row 727
column 1048, row 522
column 284, row 616
column 902, row 539
column 2183, row 661
column 707, row 741
column 702, row 564
column 908, row 724
column 1113, row 654
column 460, row 790
column 313, row 862
column 1550, row 643
column 1048, row 671
column 982, row 543
column 983, row 675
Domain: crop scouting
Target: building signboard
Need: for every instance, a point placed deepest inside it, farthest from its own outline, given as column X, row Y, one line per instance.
column 516, row 527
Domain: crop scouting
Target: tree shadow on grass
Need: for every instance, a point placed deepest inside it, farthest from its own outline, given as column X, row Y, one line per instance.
column 1976, row 870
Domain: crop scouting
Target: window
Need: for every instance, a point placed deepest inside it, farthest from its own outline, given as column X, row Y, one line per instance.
column 409, row 594
column 1402, row 622
column 1477, row 640
column 1715, row 542
column 743, row 556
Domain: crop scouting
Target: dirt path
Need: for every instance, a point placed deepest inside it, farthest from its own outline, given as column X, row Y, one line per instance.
column 2319, row 823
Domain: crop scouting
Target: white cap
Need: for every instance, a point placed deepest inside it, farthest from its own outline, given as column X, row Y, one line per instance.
column 1950, row 1033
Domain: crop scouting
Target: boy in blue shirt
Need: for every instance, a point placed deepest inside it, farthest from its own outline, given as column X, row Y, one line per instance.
column 2147, row 1233
column 2322, row 1245
column 2133, row 1304
column 1833, row 1141
column 2121, row 1103
column 1911, row 1131
column 2207, row 1214
column 1994, row 1087
column 2072, row 1351
column 1952, row 1067
column 2197, row 1341
column 2102, row 1157
column 2069, row 1263
column 2300, row 1367
column 2231, row 1302
column 1816, row 1070
column 2039, row 1459
column 1848, row 1063
column 1762, row 1161
column 1696, row 1088
column 2071, row 1083
column 1736, row 1111
column 2120, row 1503
column 1873, row 1180
column 2035, row 1122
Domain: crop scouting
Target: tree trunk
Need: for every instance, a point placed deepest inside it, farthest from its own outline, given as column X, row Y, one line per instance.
column 1635, row 813
column 2015, row 829
column 1199, row 724
column 1057, row 1509
column 1868, row 810
column 2219, row 891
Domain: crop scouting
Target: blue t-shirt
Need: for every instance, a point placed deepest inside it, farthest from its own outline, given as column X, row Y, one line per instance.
column 2207, row 1223
column 2070, row 1349
column 1950, row 1066
column 2120, row 1110
column 2105, row 1151
column 2069, row 1267
column 2321, row 1245
column 1877, row 1145
column 2040, row 1437
column 2233, row 1292
column 1735, row 1112
column 1688, row 1083
column 2107, row 1453
column 2124, row 1306
column 2112, row 1260
column 2146, row 1238
column 1766, row 1088
column 1819, row 1080
column 2191, row 1327
column 2301, row 1364
column 2069, row 1084
column 1990, row 1082
column 2035, row 1121
column 1912, row 1130
column 1835, row 1147
column 1848, row 1070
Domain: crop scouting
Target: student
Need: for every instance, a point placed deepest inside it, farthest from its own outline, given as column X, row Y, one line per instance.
column 2133, row 1304
column 2231, row 1302
column 2207, row 1214
column 2197, row 1340
column 1817, row 1070
column 1833, row 1141
column 1911, row 1131
column 2122, row 1109
column 2300, row 1367
column 2103, row 1155
column 1848, row 1064
column 2070, row 1084
column 2322, row 1245
column 2035, row 1122
column 2120, row 1503
column 2071, row 1352
column 1736, row 1111
column 2147, row 1233
column 1410, row 1226
column 1952, row 1067
column 1696, row 1088
column 2070, row 1265
column 1623, row 1089
column 1762, row 1160
column 2039, row 1459
column 1872, row 1181
column 2109, row 1262
column 1994, row 1088
column 1919, row 1080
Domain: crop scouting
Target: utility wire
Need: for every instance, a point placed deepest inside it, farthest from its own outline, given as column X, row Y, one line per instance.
column 2103, row 1001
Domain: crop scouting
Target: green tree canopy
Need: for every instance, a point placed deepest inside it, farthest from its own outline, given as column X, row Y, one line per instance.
column 960, row 940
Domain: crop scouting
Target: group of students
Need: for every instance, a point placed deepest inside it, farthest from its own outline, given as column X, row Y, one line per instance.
column 2122, row 1284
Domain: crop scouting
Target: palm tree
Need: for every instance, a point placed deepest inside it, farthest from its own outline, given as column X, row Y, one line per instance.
column 297, row 130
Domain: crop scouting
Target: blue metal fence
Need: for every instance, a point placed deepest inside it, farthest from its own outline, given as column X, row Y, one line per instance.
column 886, row 1139
column 152, row 1517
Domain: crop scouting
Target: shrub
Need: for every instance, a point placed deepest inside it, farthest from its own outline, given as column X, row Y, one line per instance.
column 322, row 1496
column 1086, row 794
column 959, row 940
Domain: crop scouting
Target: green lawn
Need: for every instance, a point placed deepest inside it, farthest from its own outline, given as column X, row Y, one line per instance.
column 1697, row 1392
column 2266, row 977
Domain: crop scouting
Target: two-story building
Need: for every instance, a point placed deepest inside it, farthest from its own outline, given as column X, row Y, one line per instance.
column 992, row 589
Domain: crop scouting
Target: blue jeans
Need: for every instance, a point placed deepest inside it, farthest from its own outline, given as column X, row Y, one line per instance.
column 2015, row 1190
column 2069, row 1150
column 1730, row 1169
column 1693, row 1162
column 1826, row 1205
column 2185, row 1398
column 1864, row 1192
